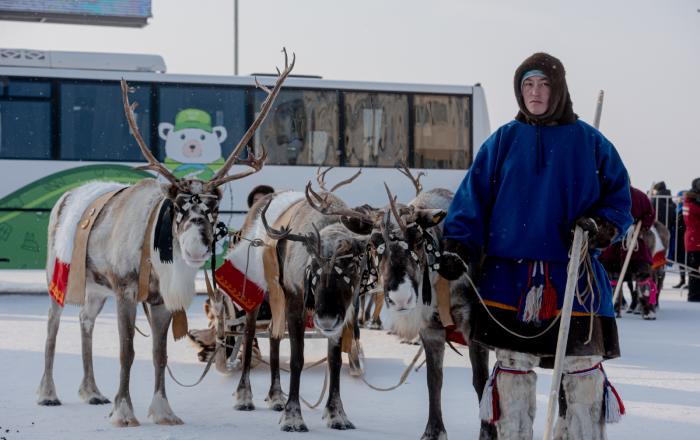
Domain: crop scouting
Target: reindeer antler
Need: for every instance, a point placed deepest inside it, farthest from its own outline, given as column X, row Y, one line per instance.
column 321, row 179
column 153, row 163
column 278, row 234
column 285, row 233
column 220, row 177
column 324, row 206
column 406, row 171
column 394, row 210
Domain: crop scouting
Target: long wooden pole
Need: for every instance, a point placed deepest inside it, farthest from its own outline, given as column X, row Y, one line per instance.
column 564, row 322
column 571, row 281
column 598, row 109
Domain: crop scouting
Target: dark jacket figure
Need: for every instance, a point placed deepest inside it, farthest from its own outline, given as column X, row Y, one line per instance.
column 531, row 182
column 691, row 216
column 663, row 205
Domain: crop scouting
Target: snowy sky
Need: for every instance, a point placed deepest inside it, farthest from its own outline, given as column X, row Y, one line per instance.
column 643, row 53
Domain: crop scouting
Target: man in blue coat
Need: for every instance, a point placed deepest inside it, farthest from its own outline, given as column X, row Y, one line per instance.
column 531, row 182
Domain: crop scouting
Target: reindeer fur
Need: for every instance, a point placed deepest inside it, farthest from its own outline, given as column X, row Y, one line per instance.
column 113, row 257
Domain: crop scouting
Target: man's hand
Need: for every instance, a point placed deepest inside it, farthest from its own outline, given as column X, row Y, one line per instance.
column 454, row 259
column 600, row 231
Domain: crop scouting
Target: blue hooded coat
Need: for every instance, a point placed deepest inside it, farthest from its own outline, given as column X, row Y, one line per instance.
column 519, row 201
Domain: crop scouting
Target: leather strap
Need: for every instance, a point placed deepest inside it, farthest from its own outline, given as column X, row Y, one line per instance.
column 145, row 264
column 272, row 275
column 444, row 304
column 77, row 275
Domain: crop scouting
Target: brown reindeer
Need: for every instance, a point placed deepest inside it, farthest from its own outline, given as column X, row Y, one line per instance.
column 321, row 268
column 183, row 235
column 405, row 246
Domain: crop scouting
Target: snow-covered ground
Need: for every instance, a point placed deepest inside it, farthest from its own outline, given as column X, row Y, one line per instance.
column 658, row 378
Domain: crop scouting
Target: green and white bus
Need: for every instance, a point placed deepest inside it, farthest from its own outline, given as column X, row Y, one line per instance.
column 62, row 124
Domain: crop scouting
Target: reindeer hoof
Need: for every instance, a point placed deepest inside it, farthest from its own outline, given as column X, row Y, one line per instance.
column 125, row 423
column 276, row 402
column 244, row 406
column 98, row 401
column 170, row 420
column 293, row 423
column 434, row 433
column 295, row 428
column 341, row 424
column 337, row 419
column 49, row 402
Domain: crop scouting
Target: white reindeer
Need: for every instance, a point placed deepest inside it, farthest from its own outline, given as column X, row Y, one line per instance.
column 113, row 261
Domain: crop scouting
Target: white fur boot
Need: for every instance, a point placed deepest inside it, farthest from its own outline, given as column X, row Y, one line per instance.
column 515, row 382
column 583, row 384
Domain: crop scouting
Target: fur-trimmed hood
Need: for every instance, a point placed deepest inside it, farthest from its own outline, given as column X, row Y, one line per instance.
column 560, row 109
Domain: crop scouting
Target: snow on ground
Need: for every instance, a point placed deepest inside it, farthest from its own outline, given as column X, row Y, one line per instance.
column 658, row 378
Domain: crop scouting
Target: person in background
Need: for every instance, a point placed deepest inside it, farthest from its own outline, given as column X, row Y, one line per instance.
column 679, row 255
column 531, row 183
column 639, row 269
column 258, row 193
column 691, row 216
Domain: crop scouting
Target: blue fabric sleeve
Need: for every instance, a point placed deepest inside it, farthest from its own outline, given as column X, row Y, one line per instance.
column 615, row 202
column 469, row 211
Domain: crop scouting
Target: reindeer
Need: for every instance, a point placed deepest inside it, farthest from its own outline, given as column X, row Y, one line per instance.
column 405, row 249
column 184, row 234
column 321, row 268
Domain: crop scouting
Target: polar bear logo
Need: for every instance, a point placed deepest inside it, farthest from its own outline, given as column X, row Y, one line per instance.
column 192, row 146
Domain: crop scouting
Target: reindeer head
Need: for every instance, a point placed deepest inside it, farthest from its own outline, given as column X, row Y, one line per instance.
column 402, row 247
column 336, row 260
column 189, row 212
column 403, row 251
column 334, row 278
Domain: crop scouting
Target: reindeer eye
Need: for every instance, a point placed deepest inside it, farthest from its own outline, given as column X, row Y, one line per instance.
column 197, row 220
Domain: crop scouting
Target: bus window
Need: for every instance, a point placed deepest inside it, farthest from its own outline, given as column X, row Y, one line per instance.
column 442, row 132
column 301, row 129
column 29, row 89
column 25, row 130
column 25, row 119
column 93, row 125
column 376, row 129
column 218, row 111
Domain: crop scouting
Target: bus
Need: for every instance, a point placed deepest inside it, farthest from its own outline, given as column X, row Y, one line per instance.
column 62, row 123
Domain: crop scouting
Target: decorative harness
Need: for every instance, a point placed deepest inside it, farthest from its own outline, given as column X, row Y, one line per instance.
column 431, row 246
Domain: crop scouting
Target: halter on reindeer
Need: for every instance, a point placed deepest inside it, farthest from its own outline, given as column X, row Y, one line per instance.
column 144, row 243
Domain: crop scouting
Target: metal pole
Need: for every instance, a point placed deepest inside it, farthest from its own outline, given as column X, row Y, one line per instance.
column 562, row 339
column 598, row 109
column 235, row 37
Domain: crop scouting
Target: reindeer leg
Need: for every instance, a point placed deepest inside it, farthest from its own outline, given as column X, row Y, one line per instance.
column 334, row 415
column 434, row 344
column 244, row 395
column 122, row 414
column 47, row 388
column 292, row 420
column 479, row 358
column 275, row 397
column 376, row 322
column 88, row 390
column 160, row 410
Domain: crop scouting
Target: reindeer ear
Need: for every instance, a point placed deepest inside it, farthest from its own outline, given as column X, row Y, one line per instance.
column 427, row 218
column 169, row 190
column 359, row 226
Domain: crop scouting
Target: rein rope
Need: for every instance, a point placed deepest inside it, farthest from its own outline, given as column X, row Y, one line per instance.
column 583, row 251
